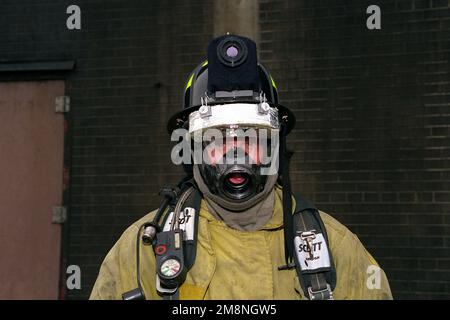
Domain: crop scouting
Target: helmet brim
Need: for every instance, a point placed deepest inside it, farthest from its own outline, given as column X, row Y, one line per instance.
column 179, row 119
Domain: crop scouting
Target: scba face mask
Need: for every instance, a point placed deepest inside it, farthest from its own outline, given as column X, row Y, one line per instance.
column 231, row 90
column 236, row 159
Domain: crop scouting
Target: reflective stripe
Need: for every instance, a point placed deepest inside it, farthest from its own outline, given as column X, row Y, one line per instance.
column 224, row 115
column 273, row 83
column 189, row 82
column 192, row 77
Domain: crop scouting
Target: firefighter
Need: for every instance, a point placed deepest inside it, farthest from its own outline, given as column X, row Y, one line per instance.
column 232, row 228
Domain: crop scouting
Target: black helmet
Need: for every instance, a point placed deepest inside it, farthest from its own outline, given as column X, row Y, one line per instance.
column 236, row 77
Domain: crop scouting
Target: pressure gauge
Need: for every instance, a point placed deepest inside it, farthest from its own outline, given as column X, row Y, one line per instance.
column 170, row 260
column 170, row 268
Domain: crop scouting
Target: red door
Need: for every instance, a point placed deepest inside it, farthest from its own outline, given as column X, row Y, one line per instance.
column 31, row 182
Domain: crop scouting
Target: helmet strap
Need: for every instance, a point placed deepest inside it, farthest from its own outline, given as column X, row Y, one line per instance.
column 285, row 156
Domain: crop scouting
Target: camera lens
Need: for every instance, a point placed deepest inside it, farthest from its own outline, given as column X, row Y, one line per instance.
column 232, row 51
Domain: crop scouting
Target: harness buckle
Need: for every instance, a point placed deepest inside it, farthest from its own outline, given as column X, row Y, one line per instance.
column 308, row 237
column 324, row 294
column 162, row 289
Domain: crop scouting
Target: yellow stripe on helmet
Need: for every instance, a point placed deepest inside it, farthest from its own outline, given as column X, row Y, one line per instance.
column 273, row 83
column 189, row 84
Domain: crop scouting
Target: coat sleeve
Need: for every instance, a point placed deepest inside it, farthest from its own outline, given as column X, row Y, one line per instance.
column 359, row 275
column 118, row 271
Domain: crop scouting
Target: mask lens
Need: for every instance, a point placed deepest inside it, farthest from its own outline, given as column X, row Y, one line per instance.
column 236, row 146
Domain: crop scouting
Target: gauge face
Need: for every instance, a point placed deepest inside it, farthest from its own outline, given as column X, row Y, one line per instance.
column 170, row 267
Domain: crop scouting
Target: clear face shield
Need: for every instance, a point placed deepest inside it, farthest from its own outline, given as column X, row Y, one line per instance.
column 236, row 147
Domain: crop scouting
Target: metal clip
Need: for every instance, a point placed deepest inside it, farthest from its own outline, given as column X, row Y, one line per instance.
column 263, row 108
column 308, row 237
column 325, row 294
column 262, row 97
column 204, row 99
column 162, row 290
column 287, row 266
column 204, row 110
column 308, row 234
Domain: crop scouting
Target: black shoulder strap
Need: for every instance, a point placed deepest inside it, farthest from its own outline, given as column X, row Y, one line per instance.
column 314, row 262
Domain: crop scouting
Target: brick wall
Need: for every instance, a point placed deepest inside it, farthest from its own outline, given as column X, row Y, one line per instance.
column 372, row 139
column 132, row 61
